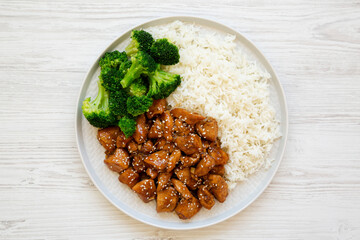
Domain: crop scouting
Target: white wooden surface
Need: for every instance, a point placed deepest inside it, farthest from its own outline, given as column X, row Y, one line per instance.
column 47, row 47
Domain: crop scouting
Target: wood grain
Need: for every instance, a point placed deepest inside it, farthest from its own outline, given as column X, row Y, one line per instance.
column 47, row 47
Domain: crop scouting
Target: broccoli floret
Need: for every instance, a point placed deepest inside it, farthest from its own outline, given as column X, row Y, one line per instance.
column 127, row 126
column 138, row 105
column 162, row 84
column 113, row 59
column 111, row 77
column 140, row 41
column 117, row 102
column 97, row 112
column 142, row 63
column 164, row 52
column 139, row 87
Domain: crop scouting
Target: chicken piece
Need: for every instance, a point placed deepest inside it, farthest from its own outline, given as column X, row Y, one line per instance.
column 159, row 145
column 195, row 180
column 173, row 160
column 218, row 187
column 166, row 200
column 138, row 163
column 141, row 131
column 187, row 208
column 121, row 140
column 119, row 161
column 107, row 138
column 129, row 177
column 181, row 128
column 152, row 173
column 158, row 107
column 188, row 117
column 220, row 156
column 157, row 129
column 147, row 147
column 205, row 197
column 145, row 189
column 205, row 165
column 169, row 146
column 207, row 129
column 168, row 125
column 189, row 144
column 218, row 170
column 205, row 144
column 163, row 181
column 181, row 188
column 158, row 160
column 184, row 175
column 132, row 146
column 188, row 161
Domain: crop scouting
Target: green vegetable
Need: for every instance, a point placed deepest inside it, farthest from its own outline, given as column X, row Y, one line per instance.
column 113, row 59
column 127, row 87
column 139, row 87
column 111, row 76
column 127, row 126
column 162, row 84
column 97, row 112
column 138, row 105
column 164, row 52
column 142, row 63
column 117, row 102
column 140, row 41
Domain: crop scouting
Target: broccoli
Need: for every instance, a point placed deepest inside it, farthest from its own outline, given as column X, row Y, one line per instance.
column 164, row 52
column 138, row 105
column 97, row 112
column 117, row 102
column 162, row 84
column 127, row 126
column 113, row 59
column 142, row 63
column 139, row 87
column 140, row 41
column 111, row 78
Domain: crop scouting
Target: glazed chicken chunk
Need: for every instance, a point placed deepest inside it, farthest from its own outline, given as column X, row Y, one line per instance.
column 146, row 190
column 129, row 177
column 119, row 161
column 166, row 200
column 207, row 129
column 189, row 144
column 107, row 138
column 187, row 208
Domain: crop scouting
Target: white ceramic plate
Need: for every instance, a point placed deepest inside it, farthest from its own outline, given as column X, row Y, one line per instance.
column 92, row 153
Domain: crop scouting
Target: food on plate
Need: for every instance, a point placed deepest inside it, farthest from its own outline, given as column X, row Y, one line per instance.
column 97, row 112
column 177, row 173
column 131, row 80
column 182, row 131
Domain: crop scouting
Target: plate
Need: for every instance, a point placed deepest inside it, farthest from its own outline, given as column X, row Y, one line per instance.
column 121, row 196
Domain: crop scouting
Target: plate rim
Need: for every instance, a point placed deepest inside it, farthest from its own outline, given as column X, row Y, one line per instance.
column 78, row 118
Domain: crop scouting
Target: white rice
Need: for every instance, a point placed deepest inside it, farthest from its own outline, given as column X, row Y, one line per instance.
column 219, row 81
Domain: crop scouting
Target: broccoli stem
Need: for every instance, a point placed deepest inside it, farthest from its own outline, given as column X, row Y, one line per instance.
column 102, row 99
column 131, row 48
column 161, row 75
column 133, row 73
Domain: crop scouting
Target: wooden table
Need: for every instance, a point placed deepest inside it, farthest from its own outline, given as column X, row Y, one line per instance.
column 47, row 47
